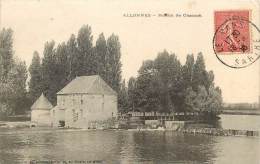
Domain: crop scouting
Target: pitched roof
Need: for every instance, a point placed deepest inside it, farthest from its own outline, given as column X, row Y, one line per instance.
column 89, row 85
column 42, row 103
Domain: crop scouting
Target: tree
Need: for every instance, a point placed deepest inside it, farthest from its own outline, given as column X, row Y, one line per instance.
column 159, row 86
column 189, row 102
column 132, row 97
column 113, row 64
column 147, row 95
column 214, row 100
column 86, row 65
column 203, row 100
column 48, row 71
column 196, row 101
column 6, row 52
column 78, row 57
column 200, row 75
column 6, row 93
column 35, row 83
column 123, row 98
column 13, row 90
column 62, row 68
column 18, row 77
column 101, row 56
column 188, row 70
column 168, row 69
column 13, row 75
column 73, row 57
column 165, row 85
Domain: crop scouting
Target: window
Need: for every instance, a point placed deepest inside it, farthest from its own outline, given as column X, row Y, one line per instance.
column 81, row 113
column 103, row 106
column 74, row 115
column 81, row 101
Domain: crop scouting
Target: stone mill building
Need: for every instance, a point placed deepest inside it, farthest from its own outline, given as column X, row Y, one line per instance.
column 85, row 102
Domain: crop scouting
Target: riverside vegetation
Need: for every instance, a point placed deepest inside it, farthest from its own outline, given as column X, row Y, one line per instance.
column 162, row 84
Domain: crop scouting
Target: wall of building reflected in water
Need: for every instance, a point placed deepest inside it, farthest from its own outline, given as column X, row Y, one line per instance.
column 17, row 146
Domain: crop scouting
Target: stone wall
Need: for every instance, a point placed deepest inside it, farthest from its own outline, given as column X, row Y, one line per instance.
column 174, row 125
column 80, row 109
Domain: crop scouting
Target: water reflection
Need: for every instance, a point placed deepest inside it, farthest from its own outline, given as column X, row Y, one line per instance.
column 124, row 147
column 174, row 147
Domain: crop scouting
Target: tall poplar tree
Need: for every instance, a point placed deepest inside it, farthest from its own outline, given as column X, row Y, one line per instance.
column 73, row 57
column 113, row 64
column 85, row 49
column 61, row 68
column 36, row 81
column 6, row 53
column 13, row 75
column 48, row 67
column 168, row 68
column 200, row 75
column 188, row 71
column 101, row 56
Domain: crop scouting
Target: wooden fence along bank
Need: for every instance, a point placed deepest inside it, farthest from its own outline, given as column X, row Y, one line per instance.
column 173, row 121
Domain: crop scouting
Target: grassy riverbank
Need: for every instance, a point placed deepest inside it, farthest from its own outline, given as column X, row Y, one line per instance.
column 16, row 124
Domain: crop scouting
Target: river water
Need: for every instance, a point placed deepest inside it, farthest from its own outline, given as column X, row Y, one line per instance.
column 240, row 122
column 122, row 146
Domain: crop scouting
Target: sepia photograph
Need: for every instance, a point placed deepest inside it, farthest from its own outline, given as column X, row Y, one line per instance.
column 129, row 82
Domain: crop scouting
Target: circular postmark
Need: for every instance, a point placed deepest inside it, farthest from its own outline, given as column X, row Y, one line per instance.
column 236, row 42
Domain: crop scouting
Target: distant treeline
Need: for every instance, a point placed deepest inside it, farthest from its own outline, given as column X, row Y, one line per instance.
column 241, row 106
column 163, row 84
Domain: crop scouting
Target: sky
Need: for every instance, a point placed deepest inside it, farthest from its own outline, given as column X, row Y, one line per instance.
column 36, row 21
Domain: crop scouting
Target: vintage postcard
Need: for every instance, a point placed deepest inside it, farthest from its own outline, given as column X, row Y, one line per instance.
column 129, row 81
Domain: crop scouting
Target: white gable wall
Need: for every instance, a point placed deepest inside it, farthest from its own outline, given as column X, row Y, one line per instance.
column 41, row 117
column 82, row 109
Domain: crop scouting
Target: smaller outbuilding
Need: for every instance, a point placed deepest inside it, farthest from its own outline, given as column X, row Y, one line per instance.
column 40, row 113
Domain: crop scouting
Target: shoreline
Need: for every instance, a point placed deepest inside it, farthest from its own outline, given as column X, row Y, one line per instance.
column 189, row 130
column 230, row 112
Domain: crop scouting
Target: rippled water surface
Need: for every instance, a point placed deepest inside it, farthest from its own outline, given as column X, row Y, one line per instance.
column 21, row 146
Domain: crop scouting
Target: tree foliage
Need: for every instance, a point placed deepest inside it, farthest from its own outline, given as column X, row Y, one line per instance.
column 77, row 57
column 113, row 63
column 85, row 52
column 49, row 70
column 6, row 51
column 164, row 85
column 35, row 83
column 101, row 53
column 122, row 97
column 131, row 91
column 13, row 76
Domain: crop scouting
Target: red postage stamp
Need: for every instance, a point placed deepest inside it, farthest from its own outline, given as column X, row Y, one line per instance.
column 232, row 32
